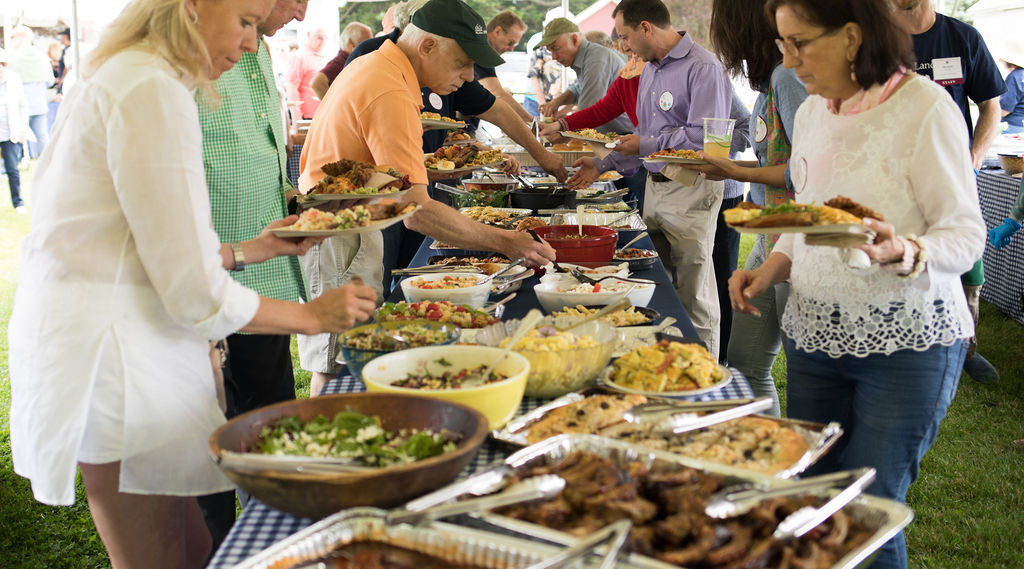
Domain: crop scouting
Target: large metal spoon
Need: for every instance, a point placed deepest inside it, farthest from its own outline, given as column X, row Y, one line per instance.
column 525, row 325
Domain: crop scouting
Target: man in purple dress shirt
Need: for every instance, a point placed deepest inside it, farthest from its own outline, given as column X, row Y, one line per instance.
column 681, row 84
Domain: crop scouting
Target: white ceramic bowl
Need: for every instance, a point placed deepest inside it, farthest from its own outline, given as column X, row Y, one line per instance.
column 498, row 401
column 613, row 270
column 474, row 296
column 552, row 296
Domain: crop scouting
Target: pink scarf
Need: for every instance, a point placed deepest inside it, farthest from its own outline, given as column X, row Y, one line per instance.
column 867, row 99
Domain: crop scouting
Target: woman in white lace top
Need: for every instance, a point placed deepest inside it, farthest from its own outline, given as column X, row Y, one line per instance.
column 875, row 334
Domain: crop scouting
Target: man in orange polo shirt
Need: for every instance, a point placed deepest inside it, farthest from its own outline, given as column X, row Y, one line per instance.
column 371, row 114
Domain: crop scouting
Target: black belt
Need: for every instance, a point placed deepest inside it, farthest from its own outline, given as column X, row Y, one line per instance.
column 659, row 177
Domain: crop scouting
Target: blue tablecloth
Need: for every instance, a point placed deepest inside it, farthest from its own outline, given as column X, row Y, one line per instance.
column 261, row 526
column 1004, row 285
column 665, row 299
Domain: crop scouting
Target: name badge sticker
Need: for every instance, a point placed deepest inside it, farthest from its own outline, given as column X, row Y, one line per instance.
column 761, row 130
column 665, row 101
column 435, row 100
column 947, row 71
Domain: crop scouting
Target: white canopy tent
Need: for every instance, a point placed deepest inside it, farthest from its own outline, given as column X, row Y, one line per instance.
column 93, row 14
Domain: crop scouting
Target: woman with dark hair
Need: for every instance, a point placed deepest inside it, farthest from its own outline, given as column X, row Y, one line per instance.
column 874, row 334
column 745, row 43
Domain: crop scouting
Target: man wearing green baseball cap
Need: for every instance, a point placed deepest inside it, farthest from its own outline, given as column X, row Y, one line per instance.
column 371, row 114
column 596, row 67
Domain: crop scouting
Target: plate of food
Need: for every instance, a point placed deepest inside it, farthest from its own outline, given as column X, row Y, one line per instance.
column 638, row 259
column 358, row 219
column 459, row 137
column 609, row 176
column 670, row 156
column 630, row 316
column 667, row 369
column 461, row 315
column 432, row 121
column 839, row 216
column 455, row 160
column 590, row 135
column 351, row 180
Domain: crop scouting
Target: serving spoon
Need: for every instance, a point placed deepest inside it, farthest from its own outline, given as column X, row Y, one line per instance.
column 631, row 241
column 525, row 325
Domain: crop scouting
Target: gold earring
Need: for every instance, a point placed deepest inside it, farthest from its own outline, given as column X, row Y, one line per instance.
column 853, row 72
column 194, row 18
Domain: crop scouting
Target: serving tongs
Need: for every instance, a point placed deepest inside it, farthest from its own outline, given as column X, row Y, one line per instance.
column 658, row 411
column 432, row 269
column 614, row 534
column 543, row 487
column 485, row 481
column 686, row 422
column 738, row 500
column 289, row 464
column 614, row 220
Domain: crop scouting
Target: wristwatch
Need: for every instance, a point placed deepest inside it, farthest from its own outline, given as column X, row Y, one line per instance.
column 236, row 250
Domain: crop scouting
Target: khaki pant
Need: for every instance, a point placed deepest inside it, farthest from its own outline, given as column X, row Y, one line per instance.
column 682, row 220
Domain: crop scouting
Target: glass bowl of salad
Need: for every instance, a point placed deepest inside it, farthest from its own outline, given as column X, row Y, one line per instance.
column 359, row 345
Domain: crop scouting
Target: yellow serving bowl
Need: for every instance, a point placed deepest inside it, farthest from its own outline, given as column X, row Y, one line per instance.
column 497, row 401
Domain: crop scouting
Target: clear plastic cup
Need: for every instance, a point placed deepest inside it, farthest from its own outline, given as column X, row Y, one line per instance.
column 718, row 136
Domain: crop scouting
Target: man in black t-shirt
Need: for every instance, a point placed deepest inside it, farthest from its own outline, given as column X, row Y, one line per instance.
column 504, row 32
column 954, row 55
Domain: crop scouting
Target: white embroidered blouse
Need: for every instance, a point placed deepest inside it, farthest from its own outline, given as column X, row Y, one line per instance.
column 908, row 159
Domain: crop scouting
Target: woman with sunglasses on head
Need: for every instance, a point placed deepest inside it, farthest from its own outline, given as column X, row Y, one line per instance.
column 744, row 41
column 123, row 283
column 875, row 334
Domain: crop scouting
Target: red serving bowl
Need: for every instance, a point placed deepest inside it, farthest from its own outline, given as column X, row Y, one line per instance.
column 594, row 249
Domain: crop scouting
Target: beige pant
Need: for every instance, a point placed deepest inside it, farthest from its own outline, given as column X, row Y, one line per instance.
column 682, row 220
column 331, row 264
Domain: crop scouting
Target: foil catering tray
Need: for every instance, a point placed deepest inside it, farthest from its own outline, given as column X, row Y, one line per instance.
column 886, row 517
column 629, row 223
column 447, row 542
column 820, row 438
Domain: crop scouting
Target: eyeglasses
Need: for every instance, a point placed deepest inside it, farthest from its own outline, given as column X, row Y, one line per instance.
column 792, row 47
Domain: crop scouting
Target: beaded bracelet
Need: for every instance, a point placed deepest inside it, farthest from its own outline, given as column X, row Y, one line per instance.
column 919, row 261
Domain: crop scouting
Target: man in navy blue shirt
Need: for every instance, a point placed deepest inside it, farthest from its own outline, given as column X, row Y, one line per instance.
column 954, row 55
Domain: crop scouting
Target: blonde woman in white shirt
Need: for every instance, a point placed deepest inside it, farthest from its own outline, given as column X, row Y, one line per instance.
column 123, row 281
column 875, row 336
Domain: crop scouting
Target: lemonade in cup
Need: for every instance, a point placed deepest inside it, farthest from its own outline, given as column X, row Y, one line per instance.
column 718, row 137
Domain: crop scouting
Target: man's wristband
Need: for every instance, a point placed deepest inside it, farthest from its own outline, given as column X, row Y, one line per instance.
column 236, row 250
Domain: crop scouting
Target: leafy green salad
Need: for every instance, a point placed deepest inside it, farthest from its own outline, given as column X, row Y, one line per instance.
column 352, row 435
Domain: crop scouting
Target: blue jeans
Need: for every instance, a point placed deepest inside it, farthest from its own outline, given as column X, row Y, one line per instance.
column 41, row 128
column 11, row 152
column 890, row 408
column 755, row 341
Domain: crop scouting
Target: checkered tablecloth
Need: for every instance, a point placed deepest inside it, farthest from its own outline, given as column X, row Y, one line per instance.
column 1004, row 285
column 261, row 526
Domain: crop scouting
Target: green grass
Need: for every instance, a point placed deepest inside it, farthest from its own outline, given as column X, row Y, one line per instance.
column 969, row 500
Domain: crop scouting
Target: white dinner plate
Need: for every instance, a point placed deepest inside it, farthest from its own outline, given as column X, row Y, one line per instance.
column 434, row 124
column 374, row 226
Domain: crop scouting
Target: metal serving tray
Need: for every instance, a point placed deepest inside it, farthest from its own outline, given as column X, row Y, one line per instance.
column 887, row 516
column 451, row 543
column 629, row 223
column 820, row 438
